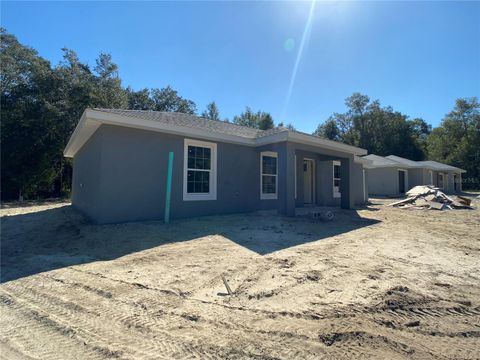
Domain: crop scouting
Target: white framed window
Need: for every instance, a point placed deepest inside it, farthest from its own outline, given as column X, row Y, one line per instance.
column 199, row 170
column 268, row 175
column 430, row 174
column 336, row 179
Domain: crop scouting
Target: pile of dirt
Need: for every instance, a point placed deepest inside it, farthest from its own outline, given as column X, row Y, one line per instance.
column 429, row 197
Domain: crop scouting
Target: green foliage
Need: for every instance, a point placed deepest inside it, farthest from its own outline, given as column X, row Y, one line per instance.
column 211, row 112
column 41, row 105
column 380, row 130
column 259, row 120
column 457, row 140
column 166, row 99
column 328, row 130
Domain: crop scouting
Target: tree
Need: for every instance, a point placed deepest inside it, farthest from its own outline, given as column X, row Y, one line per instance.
column 139, row 100
column 167, row 99
column 328, row 130
column 211, row 112
column 259, row 120
column 457, row 140
column 380, row 130
column 265, row 121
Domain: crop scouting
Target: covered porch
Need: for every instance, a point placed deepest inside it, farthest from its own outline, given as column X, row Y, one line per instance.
column 319, row 177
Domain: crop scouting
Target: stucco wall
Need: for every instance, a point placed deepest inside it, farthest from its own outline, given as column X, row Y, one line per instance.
column 86, row 177
column 134, row 172
column 124, row 172
column 383, row 181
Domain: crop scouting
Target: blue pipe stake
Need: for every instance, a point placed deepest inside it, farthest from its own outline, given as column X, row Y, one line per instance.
column 169, row 187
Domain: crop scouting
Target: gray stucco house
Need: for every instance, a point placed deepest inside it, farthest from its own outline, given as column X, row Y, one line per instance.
column 120, row 161
column 393, row 175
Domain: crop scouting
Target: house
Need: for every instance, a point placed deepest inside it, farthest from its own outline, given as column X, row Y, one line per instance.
column 120, row 163
column 393, row 175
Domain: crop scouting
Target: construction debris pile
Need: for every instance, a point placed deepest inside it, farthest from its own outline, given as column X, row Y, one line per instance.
column 429, row 197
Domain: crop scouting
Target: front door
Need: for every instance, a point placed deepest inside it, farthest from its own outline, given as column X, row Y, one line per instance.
column 308, row 182
column 401, row 182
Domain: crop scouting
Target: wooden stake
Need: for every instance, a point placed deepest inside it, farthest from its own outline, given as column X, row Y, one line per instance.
column 227, row 286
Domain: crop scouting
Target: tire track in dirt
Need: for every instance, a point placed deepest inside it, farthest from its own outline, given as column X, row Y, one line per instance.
column 39, row 325
column 143, row 319
column 143, row 324
column 399, row 314
column 100, row 333
column 235, row 323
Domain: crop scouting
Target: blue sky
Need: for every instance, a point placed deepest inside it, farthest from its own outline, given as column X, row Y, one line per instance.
column 415, row 56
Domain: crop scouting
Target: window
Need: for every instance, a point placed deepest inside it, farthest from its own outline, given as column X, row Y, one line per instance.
column 199, row 175
column 268, row 175
column 336, row 179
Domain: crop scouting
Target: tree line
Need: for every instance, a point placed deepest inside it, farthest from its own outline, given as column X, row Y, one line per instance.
column 41, row 103
column 383, row 131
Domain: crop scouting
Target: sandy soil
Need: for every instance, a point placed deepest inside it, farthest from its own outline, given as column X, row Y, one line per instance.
column 376, row 283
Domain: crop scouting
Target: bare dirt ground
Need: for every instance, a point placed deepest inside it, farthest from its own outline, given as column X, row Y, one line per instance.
column 376, row 283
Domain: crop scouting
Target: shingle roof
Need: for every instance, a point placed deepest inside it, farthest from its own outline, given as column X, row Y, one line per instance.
column 193, row 121
column 404, row 161
column 439, row 166
column 191, row 125
column 397, row 161
column 380, row 161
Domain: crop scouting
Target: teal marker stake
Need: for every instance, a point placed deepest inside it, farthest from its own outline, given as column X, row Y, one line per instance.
column 169, row 187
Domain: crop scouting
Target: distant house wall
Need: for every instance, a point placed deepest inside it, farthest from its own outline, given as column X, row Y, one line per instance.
column 360, row 192
column 383, row 181
column 416, row 177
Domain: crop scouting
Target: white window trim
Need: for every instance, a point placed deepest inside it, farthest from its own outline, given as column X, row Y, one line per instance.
column 212, row 195
column 336, row 194
column 430, row 172
column 262, row 195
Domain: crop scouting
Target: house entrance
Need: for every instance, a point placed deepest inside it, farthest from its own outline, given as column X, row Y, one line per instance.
column 308, row 181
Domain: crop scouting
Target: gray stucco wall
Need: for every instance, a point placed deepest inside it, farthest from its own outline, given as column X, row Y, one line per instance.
column 86, row 177
column 383, row 182
column 120, row 175
column 134, row 170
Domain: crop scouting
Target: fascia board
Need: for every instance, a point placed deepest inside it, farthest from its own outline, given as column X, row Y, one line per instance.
column 328, row 144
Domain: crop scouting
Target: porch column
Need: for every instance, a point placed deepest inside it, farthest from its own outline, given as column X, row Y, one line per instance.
column 346, row 183
column 287, row 176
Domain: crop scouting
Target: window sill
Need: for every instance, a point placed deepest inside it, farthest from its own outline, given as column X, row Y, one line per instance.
column 199, row 197
column 268, row 197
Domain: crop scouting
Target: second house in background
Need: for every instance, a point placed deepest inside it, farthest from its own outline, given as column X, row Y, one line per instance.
column 393, row 175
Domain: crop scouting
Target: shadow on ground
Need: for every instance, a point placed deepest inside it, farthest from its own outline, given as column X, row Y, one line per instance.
column 59, row 237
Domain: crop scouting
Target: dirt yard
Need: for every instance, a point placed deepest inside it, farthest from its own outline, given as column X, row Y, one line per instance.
column 376, row 283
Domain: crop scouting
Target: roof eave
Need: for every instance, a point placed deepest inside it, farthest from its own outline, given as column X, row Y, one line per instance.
column 329, row 144
column 92, row 119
